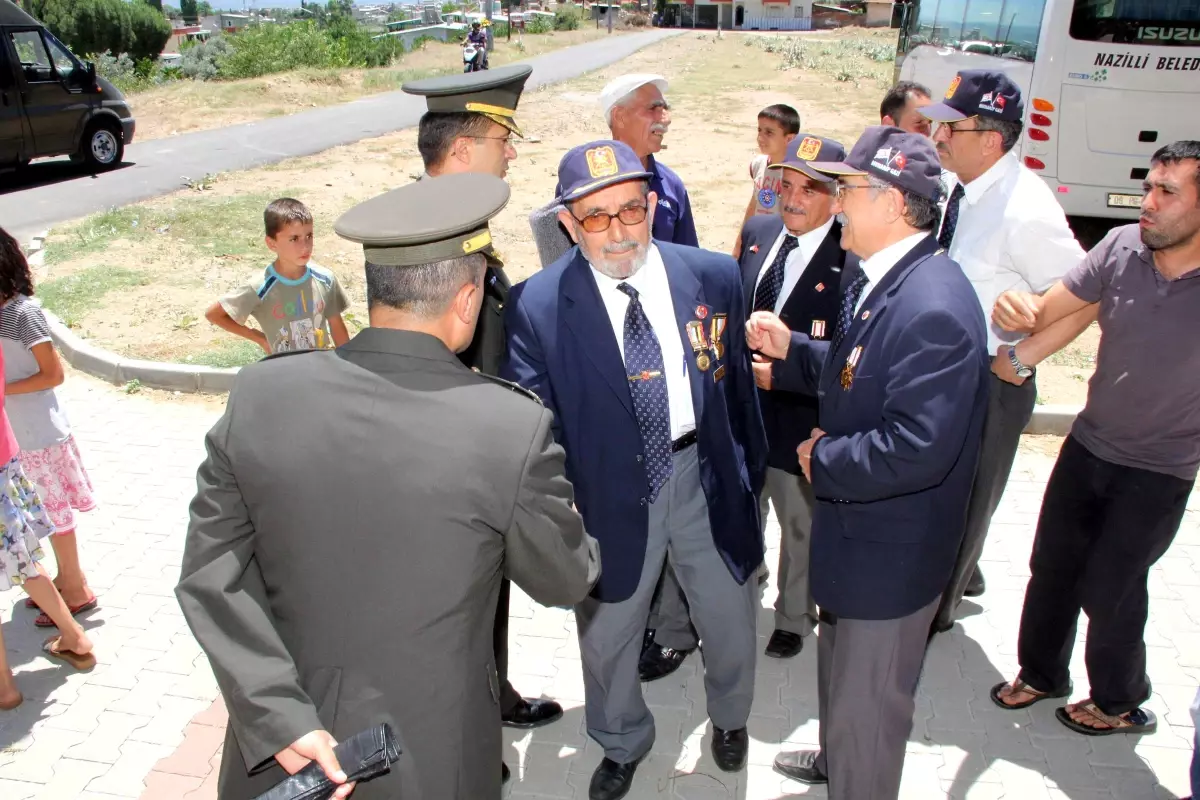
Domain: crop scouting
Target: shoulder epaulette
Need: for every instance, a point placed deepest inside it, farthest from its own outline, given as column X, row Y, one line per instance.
column 512, row 387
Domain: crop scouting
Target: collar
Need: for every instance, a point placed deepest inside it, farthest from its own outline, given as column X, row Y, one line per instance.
column 289, row 281
column 976, row 189
column 640, row 280
column 880, row 264
column 812, row 240
column 394, row 341
column 652, row 165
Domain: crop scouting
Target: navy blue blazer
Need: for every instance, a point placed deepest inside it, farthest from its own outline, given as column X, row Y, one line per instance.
column 790, row 417
column 893, row 473
column 561, row 345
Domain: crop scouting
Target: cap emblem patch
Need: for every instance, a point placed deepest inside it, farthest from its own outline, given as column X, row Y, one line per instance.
column 992, row 101
column 477, row 243
column 890, row 160
column 809, row 148
column 953, row 86
column 602, row 162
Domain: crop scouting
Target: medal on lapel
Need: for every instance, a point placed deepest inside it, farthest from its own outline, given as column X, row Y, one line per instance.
column 695, row 333
column 717, row 331
column 820, row 287
column 818, row 329
column 847, row 377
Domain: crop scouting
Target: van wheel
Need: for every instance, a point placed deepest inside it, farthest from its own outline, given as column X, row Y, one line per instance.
column 101, row 148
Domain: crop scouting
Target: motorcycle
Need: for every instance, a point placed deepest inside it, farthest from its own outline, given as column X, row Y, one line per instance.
column 473, row 58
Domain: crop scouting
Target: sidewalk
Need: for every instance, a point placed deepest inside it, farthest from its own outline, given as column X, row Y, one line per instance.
column 147, row 722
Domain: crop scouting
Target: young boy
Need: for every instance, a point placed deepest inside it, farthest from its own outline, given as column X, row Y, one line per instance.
column 777, row 125
column 297, row 304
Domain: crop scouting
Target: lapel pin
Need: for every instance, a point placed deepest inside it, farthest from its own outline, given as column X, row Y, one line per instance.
column 866, row 314
column 820, row 287
column 701, row 312
column 753, row 248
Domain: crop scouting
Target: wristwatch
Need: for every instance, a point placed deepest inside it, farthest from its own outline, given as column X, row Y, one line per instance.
column 1022, row 370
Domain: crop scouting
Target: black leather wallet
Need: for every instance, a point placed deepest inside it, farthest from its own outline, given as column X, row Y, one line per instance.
column 363, row 756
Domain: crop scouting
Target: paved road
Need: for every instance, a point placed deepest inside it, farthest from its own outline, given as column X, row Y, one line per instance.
column 156, row 167
column 144, row 723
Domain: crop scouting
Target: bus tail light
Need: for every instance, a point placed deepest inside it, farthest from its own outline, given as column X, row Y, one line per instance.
column 1040, row 119
column 1038, row 135
column 1042, row 105
column 1034, row 163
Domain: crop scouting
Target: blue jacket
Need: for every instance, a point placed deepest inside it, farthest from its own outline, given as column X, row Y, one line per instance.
column 893, row 474
column 561, row 345
column 790, row 417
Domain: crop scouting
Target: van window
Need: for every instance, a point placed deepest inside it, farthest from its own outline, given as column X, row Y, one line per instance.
column 1156, row 22
column 64, row 63
column 35, row 60
column 1004, row 28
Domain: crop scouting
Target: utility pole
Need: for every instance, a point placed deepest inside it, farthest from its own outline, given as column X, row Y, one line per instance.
column 609, row 15
column 487, row 12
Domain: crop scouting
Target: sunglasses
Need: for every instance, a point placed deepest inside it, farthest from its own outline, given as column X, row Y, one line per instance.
column 599, row 221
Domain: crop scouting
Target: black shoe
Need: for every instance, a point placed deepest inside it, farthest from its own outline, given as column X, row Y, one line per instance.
column 939, row 626
column 785, row 644
column 659, row 662
column 801, row 765
column 729, row 748
column 976, row 585
column 611, row 781
column 532, row 713
column 647, row 640
column 504, row 773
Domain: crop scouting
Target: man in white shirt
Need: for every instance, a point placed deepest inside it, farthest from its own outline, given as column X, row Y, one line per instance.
column 1004, row 227
column 638, row 347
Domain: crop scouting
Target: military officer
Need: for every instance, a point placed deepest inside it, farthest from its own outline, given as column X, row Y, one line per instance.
column 310, row 642
column 469, row 128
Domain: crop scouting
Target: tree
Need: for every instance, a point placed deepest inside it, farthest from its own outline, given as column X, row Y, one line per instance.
column 58, row 16
column 204, row 8
column 149, row 30
column 155, row 4
column 189, row 9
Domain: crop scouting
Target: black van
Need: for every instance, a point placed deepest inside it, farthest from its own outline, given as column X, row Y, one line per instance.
column 51, row 103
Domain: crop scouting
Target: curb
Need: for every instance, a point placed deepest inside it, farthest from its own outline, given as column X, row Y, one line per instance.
column 1052, row 420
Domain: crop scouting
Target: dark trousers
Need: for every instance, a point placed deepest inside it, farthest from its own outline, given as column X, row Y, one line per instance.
column 1101, row 528
column 1009, row 410
column 508, row 695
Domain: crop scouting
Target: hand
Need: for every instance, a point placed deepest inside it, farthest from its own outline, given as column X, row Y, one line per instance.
column 1002, row 367
column 1017, row 312
column 766, row 333
column 316, row 746
column 762, row 371
column 804, row 451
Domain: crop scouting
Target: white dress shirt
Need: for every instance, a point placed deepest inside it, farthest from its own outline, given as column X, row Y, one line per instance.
column 1011, row 234
column 879, row 265
column 807, row 245
column 654, row 293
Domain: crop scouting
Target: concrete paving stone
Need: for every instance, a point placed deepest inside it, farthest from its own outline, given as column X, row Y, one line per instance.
column 920, row 777
column 676, row 690
column 1081, row 794
column 545, row 770
column 216, row 715
column 36, row 762
column 165, row 786
column 194, row 756
column 1132, row 784
column 144, row 698
column 71, row 777
column 1070, row 763
column 83, row 715
column 127, row 775
column 767, row 737
column 168, row 725
column 709, row 784
column 19, row 790
column 978, row 791
column 768, row 695
column 103, row 745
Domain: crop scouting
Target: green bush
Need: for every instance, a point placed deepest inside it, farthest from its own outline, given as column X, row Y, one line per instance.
column 201, row 60
column 567, row 17
column 97, row 26
column 539, row 24
column 265, row 49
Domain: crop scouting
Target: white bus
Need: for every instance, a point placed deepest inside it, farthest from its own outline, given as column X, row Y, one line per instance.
column 1106, row 82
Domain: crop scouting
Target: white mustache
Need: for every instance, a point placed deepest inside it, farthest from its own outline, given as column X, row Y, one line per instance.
column 659, row 127
column 794, row 210
column 616, row 248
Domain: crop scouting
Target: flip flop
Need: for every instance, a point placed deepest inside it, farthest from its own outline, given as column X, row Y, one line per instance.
column 81, row 662
column 1140, row 721
column 43, row 620
column 9, row 706
column 1021, row 686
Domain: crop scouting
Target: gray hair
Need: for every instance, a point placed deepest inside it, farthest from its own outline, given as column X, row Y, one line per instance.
column 1009, row 130
column 920, row 212
column 624, row 102
column 424, row 291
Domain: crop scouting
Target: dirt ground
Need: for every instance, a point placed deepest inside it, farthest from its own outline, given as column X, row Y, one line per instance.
column 187, row 106
column 717, row 87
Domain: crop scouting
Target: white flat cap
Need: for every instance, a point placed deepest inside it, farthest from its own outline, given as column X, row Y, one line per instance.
column 620, row 88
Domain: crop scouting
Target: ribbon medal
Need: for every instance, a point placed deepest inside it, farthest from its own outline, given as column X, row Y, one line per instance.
column 818, row 329
column 847, row 377
column 717, row 331
column 695, row 333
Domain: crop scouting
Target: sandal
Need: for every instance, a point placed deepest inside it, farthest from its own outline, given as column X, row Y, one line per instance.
column 1019, row 686
column 80, row 661
column 43, row 620
column 1138, row 721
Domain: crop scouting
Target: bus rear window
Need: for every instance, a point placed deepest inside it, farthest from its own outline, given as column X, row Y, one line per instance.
column 1151, row 22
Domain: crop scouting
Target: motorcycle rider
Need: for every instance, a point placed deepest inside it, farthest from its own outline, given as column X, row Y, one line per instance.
column 478, row 37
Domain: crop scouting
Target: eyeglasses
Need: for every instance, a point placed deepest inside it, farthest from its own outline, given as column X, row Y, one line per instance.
column 508, row 140
column 599, row 221
column 953, row 130
column 840, row 188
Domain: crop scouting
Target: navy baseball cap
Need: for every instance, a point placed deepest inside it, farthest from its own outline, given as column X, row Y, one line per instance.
column 806, row 148
column 906, row 160
column 596, row 165
column 978, row 93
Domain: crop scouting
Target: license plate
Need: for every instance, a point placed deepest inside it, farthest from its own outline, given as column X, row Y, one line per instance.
column 1124, row 200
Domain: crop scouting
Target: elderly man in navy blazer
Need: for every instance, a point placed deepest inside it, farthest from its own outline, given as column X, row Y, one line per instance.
column 638, row 347
column 902, row 388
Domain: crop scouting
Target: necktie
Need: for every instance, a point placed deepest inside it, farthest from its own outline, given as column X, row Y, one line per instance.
column 951, row 220
column 648, row 386
column 772, row 282
column 846, row 312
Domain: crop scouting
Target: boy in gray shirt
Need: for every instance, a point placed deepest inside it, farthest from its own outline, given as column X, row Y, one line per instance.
column 297, row 303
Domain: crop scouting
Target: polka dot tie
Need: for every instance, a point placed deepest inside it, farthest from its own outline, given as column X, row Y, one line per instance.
column 950, row 221
column 772, row 282
column 648, row 387
column 846, row 312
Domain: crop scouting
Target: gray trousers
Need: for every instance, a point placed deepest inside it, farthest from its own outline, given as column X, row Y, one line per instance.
column 867, row 674
column 1009, row 410
column 610, row 634
column 792, row 496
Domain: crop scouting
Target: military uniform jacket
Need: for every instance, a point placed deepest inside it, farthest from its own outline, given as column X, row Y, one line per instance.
column 811, row 307
column 486, row 351
column 354, row 517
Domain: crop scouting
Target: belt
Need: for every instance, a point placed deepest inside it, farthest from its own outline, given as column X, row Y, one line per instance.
column 683, row 442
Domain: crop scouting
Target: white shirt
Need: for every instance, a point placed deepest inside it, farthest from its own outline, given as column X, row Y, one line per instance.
column 807, row 245
column 1011, row 234
column 879, row 265
column 654, row 293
